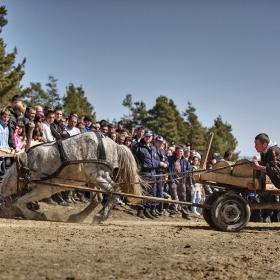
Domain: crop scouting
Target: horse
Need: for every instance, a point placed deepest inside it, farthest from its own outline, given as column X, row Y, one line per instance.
column 88, row 157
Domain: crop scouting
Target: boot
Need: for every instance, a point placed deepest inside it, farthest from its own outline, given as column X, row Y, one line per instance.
column 50, row 201
column 68, row 196
column 75, row 196
column 153, row 212
column 148, row 214
column 60, row 200
column 140, row 213
column 83, row 199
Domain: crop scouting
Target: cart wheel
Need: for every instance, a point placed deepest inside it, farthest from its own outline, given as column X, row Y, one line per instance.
column 230, row 212
column 206, row 213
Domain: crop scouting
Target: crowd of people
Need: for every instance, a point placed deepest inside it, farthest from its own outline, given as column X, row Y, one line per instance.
column 161, row 164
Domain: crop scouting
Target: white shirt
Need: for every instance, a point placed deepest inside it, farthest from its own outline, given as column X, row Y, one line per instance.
column 73, row 131
column 48, row 137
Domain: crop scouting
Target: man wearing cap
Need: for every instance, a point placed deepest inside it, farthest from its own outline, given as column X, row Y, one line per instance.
column 178, row 164
column 147, row 158
column 163, row 158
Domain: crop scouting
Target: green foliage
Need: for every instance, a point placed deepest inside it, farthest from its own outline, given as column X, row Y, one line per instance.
column 138, row 114
column 34, row 95
column 52, row 92
column 75, row 101
column 10, row 74
column 196, row 133
column 165, row 120
column 223, row 138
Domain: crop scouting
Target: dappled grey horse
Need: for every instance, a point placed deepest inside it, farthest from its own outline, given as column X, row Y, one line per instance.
column 88, row 157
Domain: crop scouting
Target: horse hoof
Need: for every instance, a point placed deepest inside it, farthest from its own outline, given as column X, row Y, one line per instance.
column 39, row 217
column 97, row 219
column 73, row 219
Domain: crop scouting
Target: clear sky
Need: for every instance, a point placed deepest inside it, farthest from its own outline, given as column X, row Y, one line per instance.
column 222, row 56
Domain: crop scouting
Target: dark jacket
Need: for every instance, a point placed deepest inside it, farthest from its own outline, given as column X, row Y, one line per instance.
column 163, row 158
column 12, row 126
column 185, row 167
column 57, row 130
column 146, row 157
column 271, row 159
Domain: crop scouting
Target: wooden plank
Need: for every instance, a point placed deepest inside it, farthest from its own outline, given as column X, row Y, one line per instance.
column 230, row 180
column 7, row 153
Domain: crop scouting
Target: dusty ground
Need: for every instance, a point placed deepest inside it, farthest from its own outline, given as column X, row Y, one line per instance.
column 125, row 247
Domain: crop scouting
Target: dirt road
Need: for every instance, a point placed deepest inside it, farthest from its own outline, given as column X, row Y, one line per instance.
column 125, row 247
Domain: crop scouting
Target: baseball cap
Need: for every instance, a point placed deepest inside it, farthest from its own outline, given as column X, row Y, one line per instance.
column 159, row 138
column 148, row 132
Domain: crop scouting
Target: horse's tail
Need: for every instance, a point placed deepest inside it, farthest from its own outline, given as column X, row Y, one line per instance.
column 127, row 174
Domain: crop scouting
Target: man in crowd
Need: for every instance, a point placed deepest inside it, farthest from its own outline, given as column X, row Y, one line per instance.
column 58, row 130
column 178, row 164
column 148, row 161
column 39, row 110
column 139, row 135
column 71, row 125
column 13, row 120
column 163, row 158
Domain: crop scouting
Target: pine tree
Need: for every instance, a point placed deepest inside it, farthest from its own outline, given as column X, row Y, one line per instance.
column 163, row 120
column 10, row 75
column 52, row 92
column 223, row 138
column 137, row 114
column 75, row 101
column 196, row 133
column 34, row 95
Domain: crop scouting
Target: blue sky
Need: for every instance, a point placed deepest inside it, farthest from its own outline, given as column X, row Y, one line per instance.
column 222, row 56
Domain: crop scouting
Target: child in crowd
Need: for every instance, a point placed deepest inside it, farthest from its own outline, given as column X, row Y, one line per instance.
column 19, row 136
column 20, row 109
column 4, row 136
column 37, row 135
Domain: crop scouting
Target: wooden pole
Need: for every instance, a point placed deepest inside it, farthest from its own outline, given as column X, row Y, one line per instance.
column 65, row 186
column 206, row 151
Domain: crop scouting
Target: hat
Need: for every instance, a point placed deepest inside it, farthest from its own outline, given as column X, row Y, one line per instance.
column 173, row 143
column 159, row 138
column 148, row 132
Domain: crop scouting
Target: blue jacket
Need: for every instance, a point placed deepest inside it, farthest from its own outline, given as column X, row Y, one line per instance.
column 163, row 158
column 185, row 167
column 146, row 157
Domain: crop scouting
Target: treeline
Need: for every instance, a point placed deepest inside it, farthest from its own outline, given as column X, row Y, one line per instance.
column 164, row 118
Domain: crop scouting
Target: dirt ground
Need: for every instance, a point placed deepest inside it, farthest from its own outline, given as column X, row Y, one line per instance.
column 127, row 247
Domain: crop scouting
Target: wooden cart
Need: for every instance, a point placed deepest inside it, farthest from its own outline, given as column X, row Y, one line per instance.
column 236, row 191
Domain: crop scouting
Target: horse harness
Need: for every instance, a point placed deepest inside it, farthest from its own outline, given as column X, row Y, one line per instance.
column 24, row 171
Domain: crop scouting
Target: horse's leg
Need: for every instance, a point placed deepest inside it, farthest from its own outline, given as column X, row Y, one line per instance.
column 36, row 194
column 101, row 178
column 80, row 217
column 104, row 212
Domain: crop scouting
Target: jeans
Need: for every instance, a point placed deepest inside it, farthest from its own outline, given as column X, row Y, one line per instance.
column 178, row 191
column 195, row 198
